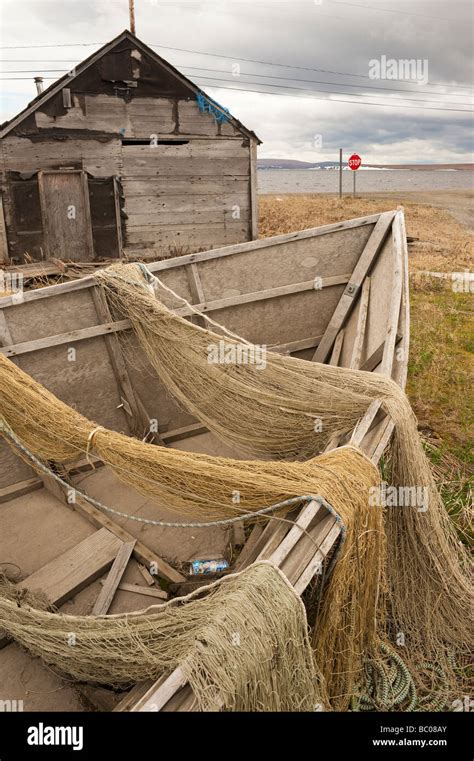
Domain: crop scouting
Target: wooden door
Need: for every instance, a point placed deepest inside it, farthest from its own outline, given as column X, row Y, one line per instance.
column 66, row 216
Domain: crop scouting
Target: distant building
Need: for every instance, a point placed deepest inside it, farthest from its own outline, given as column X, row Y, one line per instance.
column 125, row 154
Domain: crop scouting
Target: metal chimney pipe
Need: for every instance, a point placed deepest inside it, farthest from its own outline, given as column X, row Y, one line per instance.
column 39, row 85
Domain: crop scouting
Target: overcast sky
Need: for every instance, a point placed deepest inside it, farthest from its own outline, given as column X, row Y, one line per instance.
column 312, row 36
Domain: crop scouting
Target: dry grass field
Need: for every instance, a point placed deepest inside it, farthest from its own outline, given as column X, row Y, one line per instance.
column 442, row 337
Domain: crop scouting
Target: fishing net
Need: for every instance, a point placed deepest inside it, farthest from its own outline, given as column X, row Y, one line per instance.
column 203, row 486
column 260, row 661
column 413, row 583
column 291, row 409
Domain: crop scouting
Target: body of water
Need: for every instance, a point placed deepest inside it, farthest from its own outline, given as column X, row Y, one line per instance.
column 327, row 181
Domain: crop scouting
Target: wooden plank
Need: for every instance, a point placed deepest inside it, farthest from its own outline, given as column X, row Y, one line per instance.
column 292, row 346
column 361, row 323
column 361, row 270
column 134, row 695
column 106, row 595
column 318, row 558
column 113, row 327
column 388, row 357
column 249, row 546
column 146, row 574
column 65, row 210
column 197, row 291
column 268, row 293
column 217, row 253
column 67, row 574
column 4, row 258
column 124, row 586
column 297, row 561
column 337, row 348
column 140, row 552
column 375, row 359
column 253, row 190
column 62, row 338
column 159, row 694
column 395, row 304
column 139, row 423
column 305, row 517
column 177, row 434
column 13, row 491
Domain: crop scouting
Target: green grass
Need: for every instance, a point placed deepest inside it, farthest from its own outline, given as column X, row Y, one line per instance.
column 439, row 387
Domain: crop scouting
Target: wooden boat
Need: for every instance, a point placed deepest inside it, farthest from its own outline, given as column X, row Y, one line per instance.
column 335, row 294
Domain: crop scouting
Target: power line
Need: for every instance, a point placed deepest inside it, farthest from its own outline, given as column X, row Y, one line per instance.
column 289, row 95
column 291, row 66
column 392, row 10
column 292, row 79
column 235, row 58
column 330, row 84
column 333, row 100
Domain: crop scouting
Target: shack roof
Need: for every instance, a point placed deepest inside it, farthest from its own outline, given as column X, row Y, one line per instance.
column 69, row 78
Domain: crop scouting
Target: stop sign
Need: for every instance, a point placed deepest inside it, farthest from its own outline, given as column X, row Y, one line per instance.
column 354, row 161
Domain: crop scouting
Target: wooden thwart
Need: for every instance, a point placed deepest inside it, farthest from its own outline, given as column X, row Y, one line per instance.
column 106, row 595
column 298, row 548
column 361, row 270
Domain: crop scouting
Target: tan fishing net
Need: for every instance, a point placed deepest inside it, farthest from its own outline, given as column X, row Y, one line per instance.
column 400, row 571
column 243, row 645
column 203, row 486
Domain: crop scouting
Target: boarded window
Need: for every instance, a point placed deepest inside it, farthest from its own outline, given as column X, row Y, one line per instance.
column 103, row 217
column 26, row 204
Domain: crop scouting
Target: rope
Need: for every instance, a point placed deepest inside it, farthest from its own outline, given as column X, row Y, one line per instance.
column 389, row 684
column 170, row 524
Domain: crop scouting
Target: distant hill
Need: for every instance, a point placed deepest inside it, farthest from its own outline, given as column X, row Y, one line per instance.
column 295, row 164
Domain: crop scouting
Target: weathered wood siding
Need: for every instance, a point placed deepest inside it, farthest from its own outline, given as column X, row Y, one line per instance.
column 189, row 192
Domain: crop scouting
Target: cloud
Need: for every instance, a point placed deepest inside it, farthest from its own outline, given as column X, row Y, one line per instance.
column 319, row 38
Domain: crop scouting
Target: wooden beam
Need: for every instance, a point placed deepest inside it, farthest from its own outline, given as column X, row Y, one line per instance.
column 337, row 348
column 197, row 291
column 113, row 327
column 140, row 552
column 134, row 695
column 203, row 256
column 139, row 420
column 268, row 293
column 106, row 594
column 124, row 586
column 13, row 491
column 361, row 323
column 348, row 298
column 161, row 692
column 253, row 190
column 292, row 346
column 388, row 355
column 375, row 359
column 67, row 574
column 295, row 533
column 312, row 567
column 71, row 337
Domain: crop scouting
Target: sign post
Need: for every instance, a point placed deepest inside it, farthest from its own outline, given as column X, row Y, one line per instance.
column 340, row 172
column 354, row 163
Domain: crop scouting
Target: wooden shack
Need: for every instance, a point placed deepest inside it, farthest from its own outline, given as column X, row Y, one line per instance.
column 124, row 154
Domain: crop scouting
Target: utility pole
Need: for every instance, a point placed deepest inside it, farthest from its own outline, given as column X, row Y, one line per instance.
column 131, row 8
column 340, row 172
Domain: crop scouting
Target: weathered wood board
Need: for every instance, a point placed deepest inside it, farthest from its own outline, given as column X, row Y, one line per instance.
column 280, row 292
